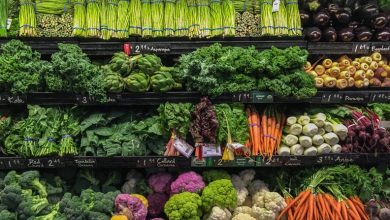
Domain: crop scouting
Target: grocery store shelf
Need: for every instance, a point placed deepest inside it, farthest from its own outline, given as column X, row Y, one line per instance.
column 152, row 98
column 323, row 48
column 12, row 163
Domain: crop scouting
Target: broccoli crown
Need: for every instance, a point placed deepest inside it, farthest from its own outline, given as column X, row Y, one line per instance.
column 103, row 203
column 11, row 178
column 32, row 206
column 11, row 196
column 7, row 215
column 91, row 215
column 212, row 175
column 72, row 207
column 184, row 206
column 50, row 216
column 219, row 193
column 30, row 180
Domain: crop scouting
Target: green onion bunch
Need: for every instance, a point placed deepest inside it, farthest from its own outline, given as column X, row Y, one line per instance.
column 3, row 18
column 27, row 19
column 181, row 18
column 147, row 30
column 193, row 23
column 266, row 20
column 56, row 7
column 204, row 18
column 169, row 18
column 229, row 18
column 135, row 26
column 216, row 18
column 293, row 18
column 93, row 18
column 157, row 11
column 280, row 20
column 79, row 16
column 122, row 22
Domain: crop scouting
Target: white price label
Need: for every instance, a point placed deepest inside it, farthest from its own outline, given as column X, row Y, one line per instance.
column 183, row 147
column 210, row 150
column 9, row 22
column 235, row 146
column 275, row 6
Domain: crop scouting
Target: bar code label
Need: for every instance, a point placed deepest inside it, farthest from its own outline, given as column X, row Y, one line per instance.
column 275, row 6
column 210, row 150
column 183, row 147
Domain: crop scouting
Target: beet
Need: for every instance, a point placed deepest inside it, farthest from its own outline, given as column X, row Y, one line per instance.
column 305, row 18
column 363, row 33
column 321, row 18
column 380, row 21
column 330, row 34
column 313, row 34
column 383, row 35
column 346, row 34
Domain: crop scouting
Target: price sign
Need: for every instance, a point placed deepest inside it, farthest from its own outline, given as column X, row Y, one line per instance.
column 244, row 97
column 361, row 48
column 346, row 158
column 334, row 97
column 85, row 99
column 53, row 162
column 274, row 162
column 293, row 161
column 218, row 162
column 383, row 47
column 384, row 124
column 85, row 162
column 146, row 162
column 114, row 98
column 356, row 98
column 325, row 159
column 383, row 97
column 147, row 48
column 275, row 6
column 35, row 163
column 16, row 99
column 244, row 162
column 166, row 162
column 195, row 162
column 262, row 97
column 13, row 163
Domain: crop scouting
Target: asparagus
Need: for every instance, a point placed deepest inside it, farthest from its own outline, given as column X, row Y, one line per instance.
column 216, row 17
column 169, row 18
column 146, row 18
column 293, row 20
column 79, row 28
column 181, row 18
column 93, row 18
column 135, row 20
column 27, row 19
column 266, row 20
column 157, row 11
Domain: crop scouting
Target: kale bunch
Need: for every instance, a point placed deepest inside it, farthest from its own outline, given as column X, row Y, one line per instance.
column 74, row 72
column 21, row 68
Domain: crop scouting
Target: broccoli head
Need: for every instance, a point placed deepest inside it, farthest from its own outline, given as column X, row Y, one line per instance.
column 184, row 205
column 219, row 193
column 7, row 215
column 91, row 215
column 32, row 206
column 50, row 216
column 11, row 178
column 104, row 203
column 212, row 175
column 11, row 196
column 30, row 180
column 72, row 207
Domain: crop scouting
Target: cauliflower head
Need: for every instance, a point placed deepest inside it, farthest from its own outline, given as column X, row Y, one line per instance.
column 257, row 186
column 247, row 176
column 243, row 216
column 219, row 193
column 242, row 194
column 184, row 206
column 243, row 209
column 274, row 202
column 160, row 182
column 218, row 213
column 237, row 182
column 262, row 213
column 188, row 182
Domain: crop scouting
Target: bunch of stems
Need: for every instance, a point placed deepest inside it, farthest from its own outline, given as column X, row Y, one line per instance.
column 193, row 16
column 169, row 18
column 56, row 7
column 135, row 20
column 93, row 18
column 229, row 18
column 157, row 11
column 181, row 18
column 280, row 20
column 122, row 22
column 216, row 18
column 27, row 19
column 243, row 5
column 112, row 14
column 105, row 33
column 204, row 18
column 266, row 19
column 79, row 18
column 146, row 18
column 3, row 18
column 293, row 18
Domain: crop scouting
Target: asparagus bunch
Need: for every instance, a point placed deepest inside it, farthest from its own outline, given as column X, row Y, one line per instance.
column 135, row 23
column 3, row 18
column 280, row 20
column 169, row 18
column 79, row 23
column 193, row 24
column 216, row 18
column 56, row 7
column 229, row 15
column 93, row 18
column 157, row 11
column 122, row 22
column 181, row 18
column 266, row 19
column 146, row 18
column 105, row 33
column 108, row 17
column 204, row 18
column 293, row 18
column 27, row 19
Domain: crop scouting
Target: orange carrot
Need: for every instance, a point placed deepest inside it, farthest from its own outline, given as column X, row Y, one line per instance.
column 264, row 127
column 301, row 197
column 353, row 209
column 250, row 126
column 311, row 207
column 344, row 210
column 257, row 132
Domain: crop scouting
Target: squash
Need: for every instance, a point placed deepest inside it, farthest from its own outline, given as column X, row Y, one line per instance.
column 142, row 198
column 119, row 217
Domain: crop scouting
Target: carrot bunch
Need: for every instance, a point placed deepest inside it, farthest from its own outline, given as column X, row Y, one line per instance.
column 265, row 130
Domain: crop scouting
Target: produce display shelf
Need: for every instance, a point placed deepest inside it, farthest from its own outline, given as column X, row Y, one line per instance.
column 321, row 48
column 152, row 98
column 13, row 163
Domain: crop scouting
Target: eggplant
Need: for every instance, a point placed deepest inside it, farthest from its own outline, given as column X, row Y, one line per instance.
column 321, row 18
column 353, row 24
column 305, row 18
column 380, row 21
column 333, row 8
column 363, row 33
column 330, row 34
column 366, row 12
column 383, row 35
column 346, row 34
column 343, row 16
column 313, row 34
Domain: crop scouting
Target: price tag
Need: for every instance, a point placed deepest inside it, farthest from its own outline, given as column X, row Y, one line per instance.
column 293, row 161
column 245, row 97
column 332, row 97
column 325, row 159
column 16, row 99
column 383, row 97
column 85, row 99
column 235, row 146
column 53, row 162
column 9, row 22
column 209, row 150
column 196, row 162
column 244, row 162
column 85, row 162
column 218, row 162
column 346, row 158
column 384, row 124
column 361, row 48
column 275, row 6
column 262, row 97
column 146, row 162
column 35, row 163
column 114, row 98
column 13, row 163
column 274, row 162
column 146, row 48
column 356, row 98
column 383, row 47
column 166, row 162
column 183, row 147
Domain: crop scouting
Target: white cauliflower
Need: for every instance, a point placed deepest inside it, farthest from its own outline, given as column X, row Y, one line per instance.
column 274, row 202
column 243, row 209
column 262, row 213
column 132, row 178
column 258, row 199
column 242, row 194
column 237, row 182
column 243, row 216
column 247, row 176
column 218, row 213
column 257, row 186
column 267, row 205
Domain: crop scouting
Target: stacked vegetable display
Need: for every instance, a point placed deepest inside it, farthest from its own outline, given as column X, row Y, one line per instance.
column 363, row 72
column 345, row 20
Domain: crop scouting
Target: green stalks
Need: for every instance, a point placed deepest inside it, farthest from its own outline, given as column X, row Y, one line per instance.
column 204, row 18
column 27, row 19
column 169, row 18
column 293, row 18
column 122, row 23
column 193, row 24
column 216, row 18
column 108, row 18
column 181, row 18
column 266, row 19
column 146, row 18
column 56, row 7
column 105, row 34
column 229, row 18
column 80, row 11
column 3, row 18
column 280, row 20
column 93, row 18
column 157, row 11
column 135, row 26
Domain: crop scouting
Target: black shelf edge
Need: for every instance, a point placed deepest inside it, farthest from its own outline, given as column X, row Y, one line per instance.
column 18, row 163
column 362, row 48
